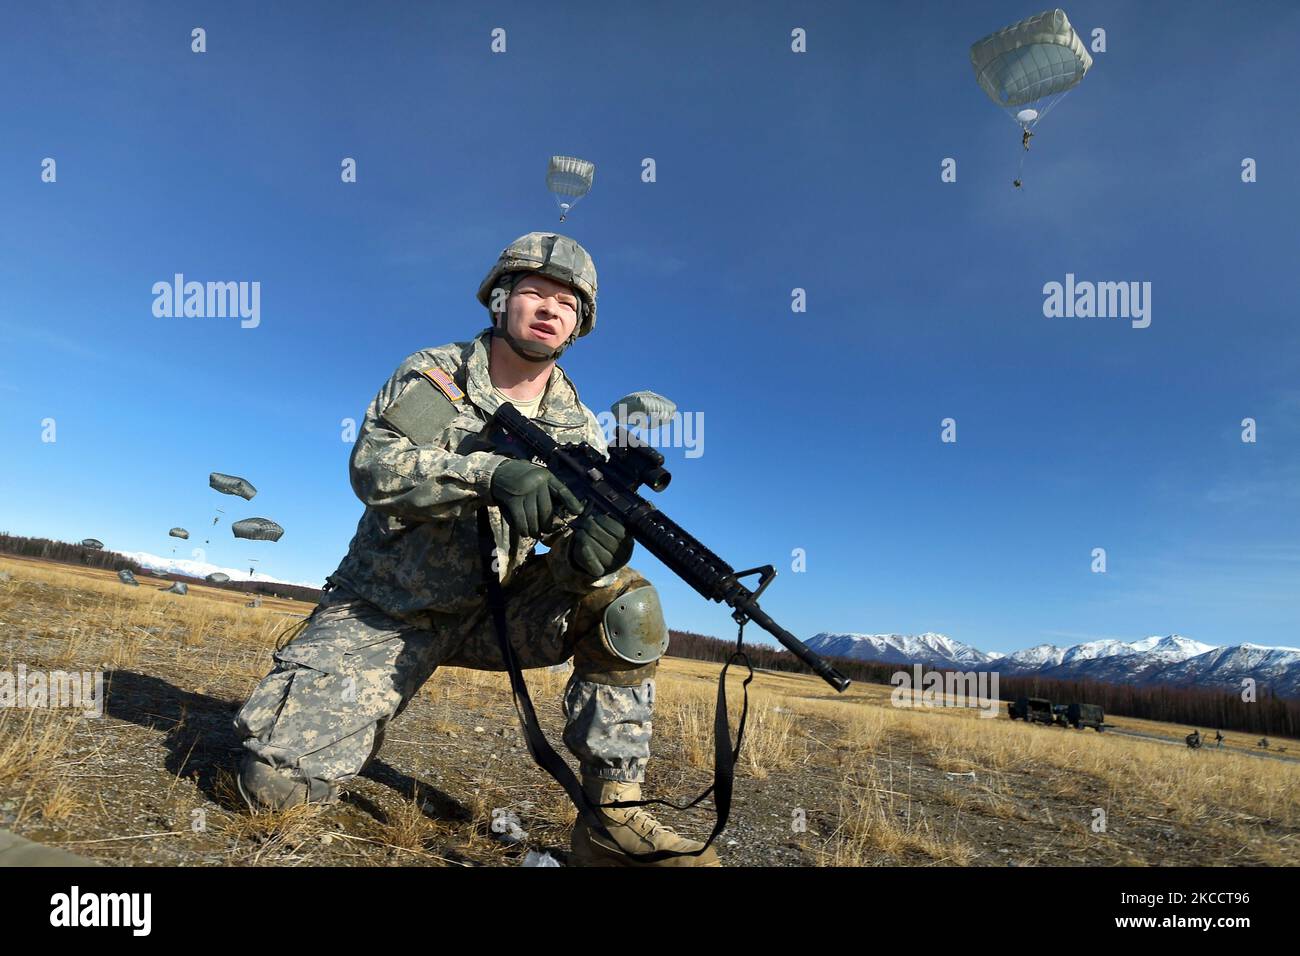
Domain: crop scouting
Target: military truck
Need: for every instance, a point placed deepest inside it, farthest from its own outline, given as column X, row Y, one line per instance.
column 1086, row 715
column 1035, row 710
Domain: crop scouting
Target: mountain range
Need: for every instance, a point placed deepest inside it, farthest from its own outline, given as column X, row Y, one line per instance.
column 201, row 569
column 1173, row 659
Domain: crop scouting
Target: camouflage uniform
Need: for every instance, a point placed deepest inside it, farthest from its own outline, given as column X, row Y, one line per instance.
column 410, row 596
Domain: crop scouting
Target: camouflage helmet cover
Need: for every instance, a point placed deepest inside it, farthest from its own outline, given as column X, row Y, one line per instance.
column 558, row 257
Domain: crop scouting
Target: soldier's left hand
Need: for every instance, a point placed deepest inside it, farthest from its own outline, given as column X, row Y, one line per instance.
column 601, row 544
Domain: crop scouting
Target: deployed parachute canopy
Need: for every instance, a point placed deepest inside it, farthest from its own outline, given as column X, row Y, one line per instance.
column 259, row 529
column 1037, row 58
column 126, row 577
column 178, row 587
column 231, row 485
column 1028, row 67
column 655, row 408
column 179, row 533
column 217, row 577
column 569, row 179
column 94, row 543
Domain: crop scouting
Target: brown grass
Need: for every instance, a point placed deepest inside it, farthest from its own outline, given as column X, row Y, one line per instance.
column 797, row 727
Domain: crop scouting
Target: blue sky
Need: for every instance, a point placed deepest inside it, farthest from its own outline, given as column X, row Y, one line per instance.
column 775, row 170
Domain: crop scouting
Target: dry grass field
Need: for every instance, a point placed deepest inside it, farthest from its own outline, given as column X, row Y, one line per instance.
column 823, row 779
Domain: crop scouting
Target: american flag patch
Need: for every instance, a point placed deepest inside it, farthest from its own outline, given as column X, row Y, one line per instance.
column 444, row 382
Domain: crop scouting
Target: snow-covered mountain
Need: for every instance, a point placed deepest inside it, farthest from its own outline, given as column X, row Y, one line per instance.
column 1172, row 649
column 927, row 648
column 201, row 569
column 1277, row 668
column 1171, row 659
column 1033, row 658
column 1102, row 655
column 1124, row 662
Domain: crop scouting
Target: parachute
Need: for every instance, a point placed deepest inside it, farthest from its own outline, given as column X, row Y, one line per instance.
column 178, row 587
column 1029, row 67
column 656, row 409
column 126, row 577
column 569, row 179
column 258, row 529
column 231, row 485
column 216, row 577
column 93, row 543
column 179, row 533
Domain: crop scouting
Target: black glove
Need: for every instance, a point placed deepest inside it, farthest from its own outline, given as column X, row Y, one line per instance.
column 601, row 544
column 528, row 495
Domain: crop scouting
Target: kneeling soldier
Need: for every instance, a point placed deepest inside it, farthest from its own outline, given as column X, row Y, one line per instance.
column 410, row 595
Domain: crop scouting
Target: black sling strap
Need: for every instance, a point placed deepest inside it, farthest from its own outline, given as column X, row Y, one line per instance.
column 724, row 757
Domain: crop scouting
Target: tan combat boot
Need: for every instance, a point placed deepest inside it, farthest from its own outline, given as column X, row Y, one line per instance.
column 634, row 831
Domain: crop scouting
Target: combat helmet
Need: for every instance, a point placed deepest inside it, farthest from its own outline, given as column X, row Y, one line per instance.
column 557, row 257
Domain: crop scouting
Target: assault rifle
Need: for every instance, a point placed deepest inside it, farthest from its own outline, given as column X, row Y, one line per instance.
column 612, row 484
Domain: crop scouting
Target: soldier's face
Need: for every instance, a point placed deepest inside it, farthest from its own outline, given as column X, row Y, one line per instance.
column 542, row 310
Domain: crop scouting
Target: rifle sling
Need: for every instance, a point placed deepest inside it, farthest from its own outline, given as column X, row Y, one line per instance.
column 724, row 757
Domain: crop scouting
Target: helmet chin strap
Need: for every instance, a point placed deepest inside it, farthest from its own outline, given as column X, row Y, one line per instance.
column 529, row 350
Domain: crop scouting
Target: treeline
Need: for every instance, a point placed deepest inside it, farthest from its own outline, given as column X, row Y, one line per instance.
column 1200, row 708
column 70, row 553
column 66, row 552
column 1203, row 708
column 699, row 647
column 272, row 589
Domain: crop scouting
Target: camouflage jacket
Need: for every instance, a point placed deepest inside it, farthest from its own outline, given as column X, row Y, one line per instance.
column 423, row 463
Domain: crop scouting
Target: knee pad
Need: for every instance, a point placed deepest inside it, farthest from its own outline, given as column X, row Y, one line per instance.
column 619, row 639
column 633, row 628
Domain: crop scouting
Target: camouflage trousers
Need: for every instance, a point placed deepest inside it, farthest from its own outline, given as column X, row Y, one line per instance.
column 321, row 712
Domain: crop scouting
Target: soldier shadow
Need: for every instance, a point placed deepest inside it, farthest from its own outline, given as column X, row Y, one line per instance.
column 434, row 803
column 202, row 744
column 198, row 729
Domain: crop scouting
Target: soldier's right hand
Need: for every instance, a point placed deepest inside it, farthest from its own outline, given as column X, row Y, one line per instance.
column 529, row 496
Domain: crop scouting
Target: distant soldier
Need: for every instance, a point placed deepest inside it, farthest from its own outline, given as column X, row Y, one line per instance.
column 1218, row 739
column 1263, row 742
column 1194, row 739
column 411, row 596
